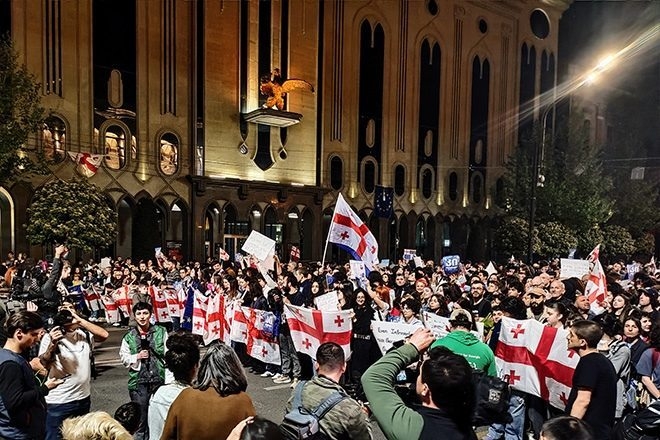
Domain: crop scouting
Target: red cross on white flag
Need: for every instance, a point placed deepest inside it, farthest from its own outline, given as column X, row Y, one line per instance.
column 596, row 288
column 350, row 233
column 536, row 359
column 200, row 306
column 261, row 344
column 311, row 328
column 159, row 302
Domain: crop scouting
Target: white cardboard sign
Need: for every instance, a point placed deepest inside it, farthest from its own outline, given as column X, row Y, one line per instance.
column 573, row 268
column 258, row 245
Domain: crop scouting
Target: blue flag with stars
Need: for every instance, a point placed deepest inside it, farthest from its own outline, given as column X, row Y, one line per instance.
column 384, row 201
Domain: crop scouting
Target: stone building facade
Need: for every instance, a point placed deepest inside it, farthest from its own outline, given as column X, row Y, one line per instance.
column 426, row 97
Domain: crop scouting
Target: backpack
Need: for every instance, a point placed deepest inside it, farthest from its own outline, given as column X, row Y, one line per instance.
column 301, row 423
column 640, row 425
column 492, row 400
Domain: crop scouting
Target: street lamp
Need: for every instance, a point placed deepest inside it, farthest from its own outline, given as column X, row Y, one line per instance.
column 538, row 179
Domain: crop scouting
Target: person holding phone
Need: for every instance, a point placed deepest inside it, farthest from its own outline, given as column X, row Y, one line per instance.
column 66, row 353
column 142, row 351
column 22, row 413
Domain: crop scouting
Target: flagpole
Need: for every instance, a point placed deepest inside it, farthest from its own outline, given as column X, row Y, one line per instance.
column 327, row 237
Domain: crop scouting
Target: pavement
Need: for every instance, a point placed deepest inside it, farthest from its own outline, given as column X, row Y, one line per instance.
column 109, row 389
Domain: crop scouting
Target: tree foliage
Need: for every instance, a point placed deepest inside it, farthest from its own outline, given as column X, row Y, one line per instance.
column 511, row 237
column 21, row 115
column 75, row 212
column 555, row 240
column 617, row 241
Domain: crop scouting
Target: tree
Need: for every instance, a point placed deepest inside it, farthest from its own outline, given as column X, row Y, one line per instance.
column 76, row 213
column 511, row 237
column 555, row 239
column 618, row 241
column 21, row 115
column 575, row 192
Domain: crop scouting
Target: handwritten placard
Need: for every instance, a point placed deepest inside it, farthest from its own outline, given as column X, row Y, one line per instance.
column 387, row 333
column 573, row 268
column 259, row 245
column 328, row 302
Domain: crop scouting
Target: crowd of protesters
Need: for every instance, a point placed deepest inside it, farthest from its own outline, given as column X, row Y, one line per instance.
column 627, row 329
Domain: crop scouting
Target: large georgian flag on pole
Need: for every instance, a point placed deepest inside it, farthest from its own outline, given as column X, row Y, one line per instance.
column 351, row 234
column 536, row 359
column 596, row 288
column 311, row 328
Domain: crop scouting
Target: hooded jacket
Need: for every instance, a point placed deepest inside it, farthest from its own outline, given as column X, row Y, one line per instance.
column 478, row 354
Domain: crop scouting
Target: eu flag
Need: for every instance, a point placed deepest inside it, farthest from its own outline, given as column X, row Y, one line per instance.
column 384, row 201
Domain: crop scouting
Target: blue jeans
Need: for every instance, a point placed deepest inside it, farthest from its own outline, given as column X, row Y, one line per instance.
column 141, row 396
column 515, row 429
column 289, row 356
column 57, row 412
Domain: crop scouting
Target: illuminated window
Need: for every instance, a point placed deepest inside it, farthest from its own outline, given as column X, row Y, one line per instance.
column 53, row 137
column 115, row 147
column 169, row 154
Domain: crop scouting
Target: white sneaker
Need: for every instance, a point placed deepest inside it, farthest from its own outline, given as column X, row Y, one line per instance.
column 283, row 379
column 277, row 376
column 267, row 374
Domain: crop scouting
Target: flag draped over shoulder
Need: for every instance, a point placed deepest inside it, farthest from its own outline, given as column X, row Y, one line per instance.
column 383, row 201
column 536, row 359
column 311, row 328
column 350, row 233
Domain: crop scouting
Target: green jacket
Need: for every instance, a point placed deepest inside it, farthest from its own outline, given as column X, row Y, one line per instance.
column 478, row 354
column 154, row 373
column 396, row 420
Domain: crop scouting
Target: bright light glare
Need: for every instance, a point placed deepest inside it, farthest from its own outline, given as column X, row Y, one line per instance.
column 591, row 78
column 605, row 62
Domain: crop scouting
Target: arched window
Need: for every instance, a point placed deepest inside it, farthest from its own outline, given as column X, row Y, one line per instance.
column 369, row 181
column 53, row 136
column 336, row 173
column 477, row 188
column 115, row 147
column 169, row 154
column 427, row 183
column 399, row 180
column 453, row 187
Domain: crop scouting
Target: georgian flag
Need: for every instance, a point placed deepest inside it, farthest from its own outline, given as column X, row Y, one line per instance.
column 224, row 256
column 261, row 343
column 295, row 253
column 111, row 309
column 536, row 359
column 350, row 233
column 86, row 164
column 159, row 302
column 239, row 325
column 92, row 298
column 596, row 288
column 123, row 301
column 310, row 328
column 200, row 306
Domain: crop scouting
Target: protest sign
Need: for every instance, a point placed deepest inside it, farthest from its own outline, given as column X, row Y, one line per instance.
column 328, row 302
column 357, row 269
column 451, row 264
column 418, row 261
column 574, row 268
column 408, row 254
column 387, row 333
column 259, row 245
